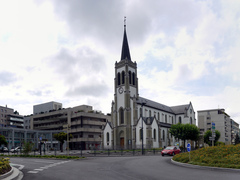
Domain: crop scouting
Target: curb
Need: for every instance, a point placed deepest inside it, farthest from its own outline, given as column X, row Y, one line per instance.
column 204, row 167
column 13, row 174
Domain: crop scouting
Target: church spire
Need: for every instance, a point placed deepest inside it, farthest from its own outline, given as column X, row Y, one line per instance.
column 125, row 47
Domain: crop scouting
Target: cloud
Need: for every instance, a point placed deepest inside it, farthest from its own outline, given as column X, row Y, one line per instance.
column 7, row 78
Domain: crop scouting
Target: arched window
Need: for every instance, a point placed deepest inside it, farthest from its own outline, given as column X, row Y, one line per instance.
column 118, row 79
column 121, row 115
column 154, row 134
column 180, row 120
column 141, row 112
column 150, row 114
column 163, row 135
column 172, row 120
column 140, row 134
column 130, row 77
column 158, row 116
column 190, row 120
column 108, row 137
column 165, row 118
column 133, row 78
column 123, row 77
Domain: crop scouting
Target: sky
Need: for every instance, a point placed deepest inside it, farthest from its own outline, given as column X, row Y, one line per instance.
column 65, row 51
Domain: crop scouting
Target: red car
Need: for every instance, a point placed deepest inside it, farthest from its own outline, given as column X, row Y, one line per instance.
column 170, row 150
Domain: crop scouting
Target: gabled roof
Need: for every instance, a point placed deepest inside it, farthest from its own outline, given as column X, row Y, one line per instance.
column 181, row 109
column 155, row 105
column 125, row 47
column 148, row 120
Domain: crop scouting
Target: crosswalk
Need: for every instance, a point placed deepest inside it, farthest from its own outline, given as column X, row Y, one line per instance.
column 46, row 167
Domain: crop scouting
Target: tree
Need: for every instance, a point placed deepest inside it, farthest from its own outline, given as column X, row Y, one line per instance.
column 208, row 134
column 237, row 140
column 27, row 147
column 61, row 137
column 185, row 132
column 3, row 140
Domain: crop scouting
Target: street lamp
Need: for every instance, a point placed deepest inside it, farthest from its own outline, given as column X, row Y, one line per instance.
column 142, row 104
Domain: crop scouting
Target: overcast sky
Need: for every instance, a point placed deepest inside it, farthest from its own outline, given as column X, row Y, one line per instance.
column 65, row 51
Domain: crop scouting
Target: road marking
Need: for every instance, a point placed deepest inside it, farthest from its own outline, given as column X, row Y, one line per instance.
column 45, row 162
column 38, row 169
column 33, row 172
column 20, row 166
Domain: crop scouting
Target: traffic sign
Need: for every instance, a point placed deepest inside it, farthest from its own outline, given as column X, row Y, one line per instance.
column 213, row 124
column 188, row 147
column 40, row 138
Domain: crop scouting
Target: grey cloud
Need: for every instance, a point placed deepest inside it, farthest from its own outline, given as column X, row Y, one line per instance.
column 7, row 78
column 96, row 89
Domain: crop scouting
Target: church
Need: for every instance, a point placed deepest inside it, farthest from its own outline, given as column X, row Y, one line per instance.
column 138, row 122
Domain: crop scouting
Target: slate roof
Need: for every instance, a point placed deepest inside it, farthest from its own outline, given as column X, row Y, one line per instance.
column 125, row 47
column 174, row 109
column 180, row 109
column 155, row 105
column 148, row 120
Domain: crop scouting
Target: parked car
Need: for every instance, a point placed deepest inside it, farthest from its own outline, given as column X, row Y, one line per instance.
column 4, row 149
column 171, row 150
column 17, row 149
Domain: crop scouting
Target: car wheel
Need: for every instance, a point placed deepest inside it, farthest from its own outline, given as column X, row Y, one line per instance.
column 173, row 154
column 162, row 154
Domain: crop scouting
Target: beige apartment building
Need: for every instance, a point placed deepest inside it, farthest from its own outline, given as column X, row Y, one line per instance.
column 222, row 123
column 9, row 118
column 84, row 124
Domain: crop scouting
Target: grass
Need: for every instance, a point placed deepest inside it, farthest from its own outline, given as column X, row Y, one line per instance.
column 217, row 156
column 45, row 156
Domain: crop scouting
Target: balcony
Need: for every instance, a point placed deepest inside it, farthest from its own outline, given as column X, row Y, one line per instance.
column 85, row 130
column 85, row 139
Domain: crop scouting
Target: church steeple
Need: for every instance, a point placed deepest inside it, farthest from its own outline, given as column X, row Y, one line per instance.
column 125, row 47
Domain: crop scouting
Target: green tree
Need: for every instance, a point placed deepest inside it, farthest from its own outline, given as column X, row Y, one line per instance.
column 185, row 132
column 27, row 147
column 208, row 134
column 61, row 137
column 3, row 140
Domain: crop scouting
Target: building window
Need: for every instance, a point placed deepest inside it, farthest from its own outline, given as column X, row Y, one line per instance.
column 90, row 136
column 133, row 78
column 163, row 135
column 158, row 116
column 190, row 120
column 154, row 134
column 180, row 120
column 172, row 120
column 140, row 134
column 108, row 137
column 118, row 79
column 123, row 77
column 130, row 77
column 165, row 118
column 150, row 114
column 141, row 114
column 121, row 115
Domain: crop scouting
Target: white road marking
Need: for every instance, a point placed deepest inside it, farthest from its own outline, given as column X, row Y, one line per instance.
column 33, row 172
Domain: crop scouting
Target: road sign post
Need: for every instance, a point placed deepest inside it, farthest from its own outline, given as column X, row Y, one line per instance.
column 189, row 150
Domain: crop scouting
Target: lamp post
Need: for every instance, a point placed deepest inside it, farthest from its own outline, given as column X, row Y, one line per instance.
column 142, row 104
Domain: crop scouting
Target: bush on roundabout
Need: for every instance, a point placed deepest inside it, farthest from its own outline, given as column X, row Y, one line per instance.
column 227, row 156
column 4, row 165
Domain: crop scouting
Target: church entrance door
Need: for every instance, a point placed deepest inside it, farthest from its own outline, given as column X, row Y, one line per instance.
column 122, row 143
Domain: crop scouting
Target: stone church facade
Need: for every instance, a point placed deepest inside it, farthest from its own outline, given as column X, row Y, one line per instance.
column 137, row 121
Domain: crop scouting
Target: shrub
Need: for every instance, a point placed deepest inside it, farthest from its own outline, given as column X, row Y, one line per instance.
column 4, row 165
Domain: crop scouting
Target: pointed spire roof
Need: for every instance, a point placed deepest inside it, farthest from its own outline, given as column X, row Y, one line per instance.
column 125, row 47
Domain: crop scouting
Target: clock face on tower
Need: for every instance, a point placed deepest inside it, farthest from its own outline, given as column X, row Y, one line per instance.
column 120, row 90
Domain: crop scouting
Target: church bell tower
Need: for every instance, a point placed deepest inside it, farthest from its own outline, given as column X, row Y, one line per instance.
column 124, row 110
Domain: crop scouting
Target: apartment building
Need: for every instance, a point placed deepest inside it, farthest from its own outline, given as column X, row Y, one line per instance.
column 234, row 130
column 222, row 123
column 84, row 124
column 9, row 118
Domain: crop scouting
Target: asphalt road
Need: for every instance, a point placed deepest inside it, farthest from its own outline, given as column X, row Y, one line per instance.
column 115, row 168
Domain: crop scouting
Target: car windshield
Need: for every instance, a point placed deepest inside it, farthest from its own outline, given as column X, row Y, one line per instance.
column 169, row 147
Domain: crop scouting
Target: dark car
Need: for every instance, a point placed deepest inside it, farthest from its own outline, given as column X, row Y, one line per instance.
column 170, row 150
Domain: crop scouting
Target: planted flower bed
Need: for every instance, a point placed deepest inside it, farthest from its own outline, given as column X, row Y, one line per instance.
column 216, row 156
column 4, row 165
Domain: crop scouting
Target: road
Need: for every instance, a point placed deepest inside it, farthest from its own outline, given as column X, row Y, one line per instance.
column 115, row 168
